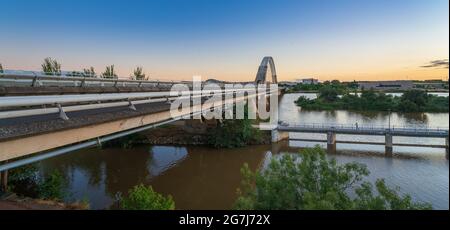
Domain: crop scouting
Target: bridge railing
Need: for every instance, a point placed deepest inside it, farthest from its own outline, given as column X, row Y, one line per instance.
column 19, row 106
column 365, row 127
column 36, row 79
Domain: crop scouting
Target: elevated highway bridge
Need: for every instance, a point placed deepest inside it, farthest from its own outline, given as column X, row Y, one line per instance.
column 45, row 116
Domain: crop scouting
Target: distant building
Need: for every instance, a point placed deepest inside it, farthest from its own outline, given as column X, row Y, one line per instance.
column 386, row 85
column 308, row 81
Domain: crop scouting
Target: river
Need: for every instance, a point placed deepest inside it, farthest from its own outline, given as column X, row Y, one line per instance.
column 205, row 178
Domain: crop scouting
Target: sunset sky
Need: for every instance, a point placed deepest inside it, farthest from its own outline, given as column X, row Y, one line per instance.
column 226, row 39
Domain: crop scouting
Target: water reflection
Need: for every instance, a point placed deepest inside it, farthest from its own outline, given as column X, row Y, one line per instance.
column 164, row 157
column 204, row 178
column 197, row 178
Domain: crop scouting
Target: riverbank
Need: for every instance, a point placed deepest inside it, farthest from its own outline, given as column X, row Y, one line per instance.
column 13, row 202
column 179, row 135
column 379, row 91
column 410, row 101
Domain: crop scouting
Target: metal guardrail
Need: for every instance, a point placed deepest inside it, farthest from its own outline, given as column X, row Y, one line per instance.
column 20, row 106
column 36, row 79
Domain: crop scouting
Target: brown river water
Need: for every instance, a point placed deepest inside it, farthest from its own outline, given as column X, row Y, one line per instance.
column 205, row 178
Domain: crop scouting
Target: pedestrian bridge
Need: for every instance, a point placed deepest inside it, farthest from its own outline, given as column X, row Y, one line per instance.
column 282, row 131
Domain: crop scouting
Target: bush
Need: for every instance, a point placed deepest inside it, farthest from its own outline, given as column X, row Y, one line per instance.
column 52, row 187
column 26, row 182
column 234, row 133
column 308, row 181
column 141, row 197
column 329, row 94
column 51, row 67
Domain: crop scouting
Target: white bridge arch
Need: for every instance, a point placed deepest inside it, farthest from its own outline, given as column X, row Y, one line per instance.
column 262, row 71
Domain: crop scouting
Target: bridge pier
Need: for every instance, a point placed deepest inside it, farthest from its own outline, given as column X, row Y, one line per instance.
column 388, row 144
column 4, row 181
column 278, row 136
column 446, row 147
column 331, row 142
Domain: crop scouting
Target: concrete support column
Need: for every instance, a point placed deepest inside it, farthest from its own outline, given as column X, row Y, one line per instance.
column 388, row 144
column 331, row 142
column 4, row 181
column 446, row 147
column 278, row 136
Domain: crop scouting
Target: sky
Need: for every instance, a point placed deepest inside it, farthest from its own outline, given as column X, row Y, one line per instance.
column 227, row 39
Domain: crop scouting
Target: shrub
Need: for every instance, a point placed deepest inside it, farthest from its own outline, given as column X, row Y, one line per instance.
column 234, row 133
column 141, row 197
column 52, row 187
column 51, row 67
column 310, row 181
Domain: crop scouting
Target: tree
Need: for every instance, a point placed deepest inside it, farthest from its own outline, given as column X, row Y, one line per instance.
column 418, row 97
column 232, row 133
column 141, row 197
column 328, row 93
column 138, row 74
column 1, row 68
column 109, row 72
column 90, row 72
column 52, row 187
column 51, row 67
column 309, row 181
column 26, row 181
column 335, row 82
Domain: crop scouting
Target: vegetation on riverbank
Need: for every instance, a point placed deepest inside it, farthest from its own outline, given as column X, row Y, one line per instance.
column 234, row 133
column 310, row 181
column 142, row 197
column 26, row 182
column 410, row 101
column 341, row 87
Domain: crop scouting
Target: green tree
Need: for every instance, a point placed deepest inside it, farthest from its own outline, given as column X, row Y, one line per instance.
column 418, row 97
column 51, row 67
column 1, row 68
column 233, row 133
column 52, row 187
column 309, row 181
column 90, row 72
column 24, row 180
column 109, row 72
column 335, row 82
column 141, row 197
column 138, row 74
column 328, row 93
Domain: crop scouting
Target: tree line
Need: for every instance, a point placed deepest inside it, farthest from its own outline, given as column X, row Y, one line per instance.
column 52, row 67
column 330, row 98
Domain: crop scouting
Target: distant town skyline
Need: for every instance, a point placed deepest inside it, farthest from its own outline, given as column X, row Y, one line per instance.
column 175, row 39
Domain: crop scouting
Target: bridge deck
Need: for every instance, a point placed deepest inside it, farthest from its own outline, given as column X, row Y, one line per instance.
column 365, row 130
column 368, row 143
